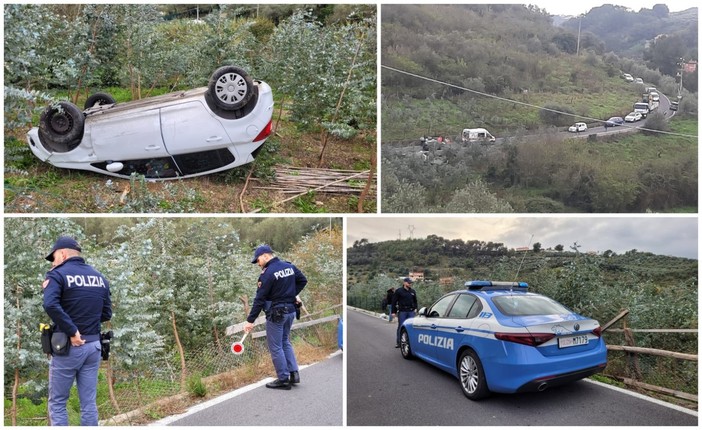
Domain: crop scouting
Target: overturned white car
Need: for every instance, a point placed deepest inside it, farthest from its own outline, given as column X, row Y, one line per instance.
column 176, row 135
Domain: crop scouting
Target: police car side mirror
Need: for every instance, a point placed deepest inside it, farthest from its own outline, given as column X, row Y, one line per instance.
column 423, row 312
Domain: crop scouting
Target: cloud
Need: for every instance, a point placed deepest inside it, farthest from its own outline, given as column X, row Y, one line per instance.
column 676, row 236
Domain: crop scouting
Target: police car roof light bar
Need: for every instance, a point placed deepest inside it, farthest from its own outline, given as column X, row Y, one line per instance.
column 494, row 285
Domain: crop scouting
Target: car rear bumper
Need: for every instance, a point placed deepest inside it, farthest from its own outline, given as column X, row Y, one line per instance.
column 517, row 367
column 541, row 384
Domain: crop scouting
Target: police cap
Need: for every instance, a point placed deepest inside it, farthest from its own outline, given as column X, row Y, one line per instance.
column 263, row 249
column 408, row 280
column 63, row 242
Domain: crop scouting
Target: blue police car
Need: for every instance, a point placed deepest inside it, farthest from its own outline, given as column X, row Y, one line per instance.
column 498, row 337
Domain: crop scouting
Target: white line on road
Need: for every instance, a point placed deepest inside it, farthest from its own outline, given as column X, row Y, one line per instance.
column 602, row 384
column 643, row 397
column 208, row 404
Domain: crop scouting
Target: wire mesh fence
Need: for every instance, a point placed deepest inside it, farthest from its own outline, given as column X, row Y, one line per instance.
column 667, row 373
column 668, row 376
column 135, row 396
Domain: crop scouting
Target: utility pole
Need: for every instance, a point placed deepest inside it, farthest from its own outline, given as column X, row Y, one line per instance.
column 679, row 77
column 577, row 49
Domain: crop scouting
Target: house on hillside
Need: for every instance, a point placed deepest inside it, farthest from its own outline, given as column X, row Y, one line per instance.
column 416, row 276
column 447, row 281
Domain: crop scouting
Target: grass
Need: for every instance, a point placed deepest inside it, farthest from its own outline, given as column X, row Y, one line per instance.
column 32, row 186
column 594, row 95
column 163, row 397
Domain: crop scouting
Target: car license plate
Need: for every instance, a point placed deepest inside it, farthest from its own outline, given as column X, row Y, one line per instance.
column 566, row 342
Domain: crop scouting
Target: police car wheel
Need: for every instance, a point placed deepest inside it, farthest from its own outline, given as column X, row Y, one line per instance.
column 472, row 376
column 405, row 348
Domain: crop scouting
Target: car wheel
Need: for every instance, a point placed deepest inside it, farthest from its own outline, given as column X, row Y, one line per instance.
column 472, row 376
column 230, row 87
column 99, row 99
column 61, row 126
column 405, row 347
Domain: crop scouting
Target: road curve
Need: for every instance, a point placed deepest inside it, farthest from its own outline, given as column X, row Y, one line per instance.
column 383, row 389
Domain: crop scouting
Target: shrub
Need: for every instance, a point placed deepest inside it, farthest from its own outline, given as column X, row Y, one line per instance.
column 196, row 387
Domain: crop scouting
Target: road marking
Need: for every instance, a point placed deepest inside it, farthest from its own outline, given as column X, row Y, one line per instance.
column 239, row 391
column 621, row 390
column 644, row 397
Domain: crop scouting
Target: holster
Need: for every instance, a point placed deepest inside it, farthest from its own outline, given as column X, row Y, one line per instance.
column 105, row 340
column 298, row 306
column 46, row 339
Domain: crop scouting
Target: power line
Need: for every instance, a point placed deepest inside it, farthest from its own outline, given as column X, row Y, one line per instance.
column 436, row 81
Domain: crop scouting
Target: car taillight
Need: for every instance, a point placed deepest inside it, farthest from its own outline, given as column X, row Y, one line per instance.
column 265, row 132
column 526, row 338
column 597, row 332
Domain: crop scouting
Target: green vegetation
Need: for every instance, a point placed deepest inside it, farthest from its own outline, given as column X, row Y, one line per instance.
column 659, row 291
column 320, row 61
column 175, row 283
column 516, row 65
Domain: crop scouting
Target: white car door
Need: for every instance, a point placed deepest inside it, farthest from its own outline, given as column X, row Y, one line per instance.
column 189, row 127
column 131, row 135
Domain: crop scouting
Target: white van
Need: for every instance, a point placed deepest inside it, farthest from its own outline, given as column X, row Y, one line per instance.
column 477, row 135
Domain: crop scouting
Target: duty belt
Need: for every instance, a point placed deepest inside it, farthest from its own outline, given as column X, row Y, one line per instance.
column 405, row 309
column 90, row 337
column 289, row 307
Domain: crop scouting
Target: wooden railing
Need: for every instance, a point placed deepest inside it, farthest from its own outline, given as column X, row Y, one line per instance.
column 632, row 351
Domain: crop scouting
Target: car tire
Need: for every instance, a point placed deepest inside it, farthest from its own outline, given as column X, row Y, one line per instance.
column 471, row 376
column 99, row 99
column 61, row 126
column 230, row 88
column 405, row 347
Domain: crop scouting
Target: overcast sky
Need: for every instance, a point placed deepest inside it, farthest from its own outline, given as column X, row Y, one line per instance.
column 583, row 6
column 660, row 235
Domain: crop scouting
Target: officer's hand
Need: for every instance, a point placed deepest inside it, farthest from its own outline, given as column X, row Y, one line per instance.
column 248, row 327
column 393, row 315
column 76, row 340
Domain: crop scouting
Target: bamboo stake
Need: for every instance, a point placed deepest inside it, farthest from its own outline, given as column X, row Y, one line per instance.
column 315, row 189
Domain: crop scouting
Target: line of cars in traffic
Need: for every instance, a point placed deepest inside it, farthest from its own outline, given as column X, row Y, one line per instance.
column 641, row 109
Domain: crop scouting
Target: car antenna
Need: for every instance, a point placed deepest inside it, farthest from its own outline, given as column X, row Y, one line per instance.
column 521, row 262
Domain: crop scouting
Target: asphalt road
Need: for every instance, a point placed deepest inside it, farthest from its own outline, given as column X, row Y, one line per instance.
column 383, row 389
column 316, row 401
column 594, row 129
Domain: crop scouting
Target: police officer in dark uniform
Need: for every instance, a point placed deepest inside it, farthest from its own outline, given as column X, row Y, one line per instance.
column 77, row 298
column 280, row 283
column 404, row 304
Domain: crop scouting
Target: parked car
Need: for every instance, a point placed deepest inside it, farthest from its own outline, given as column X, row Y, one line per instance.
column 340, row 334
column 627, row 77
column 498, row 337
column 674, row 105
column 654, row 96
column 176, row 135
column 638, row 81
column 577, row 127
column 614, row 121
column 477, row 135
column 633, row 117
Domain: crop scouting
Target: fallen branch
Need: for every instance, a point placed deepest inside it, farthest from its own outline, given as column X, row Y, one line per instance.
column 243, row 191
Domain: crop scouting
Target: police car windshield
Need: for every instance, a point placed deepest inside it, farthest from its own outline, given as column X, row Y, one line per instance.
column 529, row 305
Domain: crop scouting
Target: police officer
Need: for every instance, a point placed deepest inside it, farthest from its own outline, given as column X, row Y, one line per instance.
column 280, row 282
column 404, row 304
column 77, row 299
